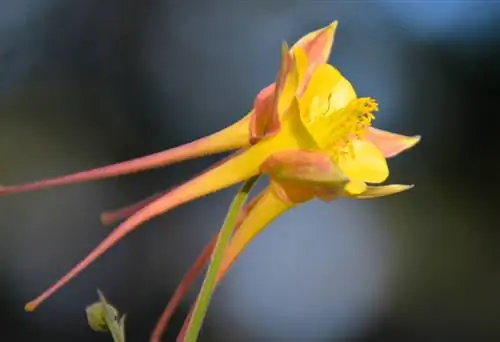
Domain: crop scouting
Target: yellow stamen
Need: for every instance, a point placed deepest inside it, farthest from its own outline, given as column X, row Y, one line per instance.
column 334, row 130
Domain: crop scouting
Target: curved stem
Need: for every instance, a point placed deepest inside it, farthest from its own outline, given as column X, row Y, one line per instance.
column 207, row 289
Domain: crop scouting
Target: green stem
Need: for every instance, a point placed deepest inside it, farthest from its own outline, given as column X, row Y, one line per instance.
column 116, row 327
column 207, row 289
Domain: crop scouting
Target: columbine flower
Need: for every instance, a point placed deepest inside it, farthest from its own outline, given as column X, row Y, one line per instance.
column 308, row 131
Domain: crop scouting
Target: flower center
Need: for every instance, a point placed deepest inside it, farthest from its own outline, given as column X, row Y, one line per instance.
column 334, row 129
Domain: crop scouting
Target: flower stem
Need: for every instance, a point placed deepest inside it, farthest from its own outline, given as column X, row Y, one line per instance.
column 208, row 286
column 115, row 324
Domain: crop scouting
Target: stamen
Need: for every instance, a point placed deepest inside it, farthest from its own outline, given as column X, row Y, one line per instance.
column 334, row 130
column 355, row 118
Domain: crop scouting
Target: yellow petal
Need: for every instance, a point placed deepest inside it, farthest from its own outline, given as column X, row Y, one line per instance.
column 292, row 135
column 355, row 188
column 367, row 163
column 326, row 92
column 268, row 208
column 301, row 64
column 385, row 190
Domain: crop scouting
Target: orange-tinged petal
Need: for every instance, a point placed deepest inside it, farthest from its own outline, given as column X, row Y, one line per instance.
column 303, row 166
column 385, row 190
column 264, row 118
column 327, row 195
column 367, row 163
column 191, row 275
column 113, row 216
column 234, row 137
column 237, row 169
column 318, row 44
column 293, row 193
column 261, row 115
column 391, row 144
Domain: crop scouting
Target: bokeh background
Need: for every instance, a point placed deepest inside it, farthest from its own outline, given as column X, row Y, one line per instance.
column 86, row 83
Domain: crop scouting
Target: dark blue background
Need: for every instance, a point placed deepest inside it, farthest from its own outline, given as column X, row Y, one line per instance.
column 85, row 83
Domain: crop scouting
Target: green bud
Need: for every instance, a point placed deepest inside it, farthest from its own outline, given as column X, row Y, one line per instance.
column 96, row 316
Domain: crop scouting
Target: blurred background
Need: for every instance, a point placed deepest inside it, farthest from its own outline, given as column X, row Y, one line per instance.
column 86, row 83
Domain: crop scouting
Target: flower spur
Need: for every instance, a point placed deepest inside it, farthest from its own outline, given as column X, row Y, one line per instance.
column 308, row 131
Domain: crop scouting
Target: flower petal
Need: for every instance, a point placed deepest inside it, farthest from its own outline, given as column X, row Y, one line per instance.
column 289, row 85
column 293, row 193
column 351, row 189
column 235, row 170
column 293, row 133
column 273, row 100
column 234, row 137
column 385, row 190
column 261, row 118
column 367, row 163
column 355, row 188
column 318, row 44
column 327, row 91
column 113, row 216
column 304, row 73
column 391, row 144
column 302, row 166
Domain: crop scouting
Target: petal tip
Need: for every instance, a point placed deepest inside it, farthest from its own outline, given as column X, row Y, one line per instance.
column 331, row 29
column 397, row 188
column 406, row 187
column 385, row 190
column 412, row 141
column 318, row 44
column 106, row 219
column 284, row 47
column 334, row 24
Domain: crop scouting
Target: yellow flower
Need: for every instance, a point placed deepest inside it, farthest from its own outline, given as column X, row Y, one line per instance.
column 308, row 131
column 325, row 148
